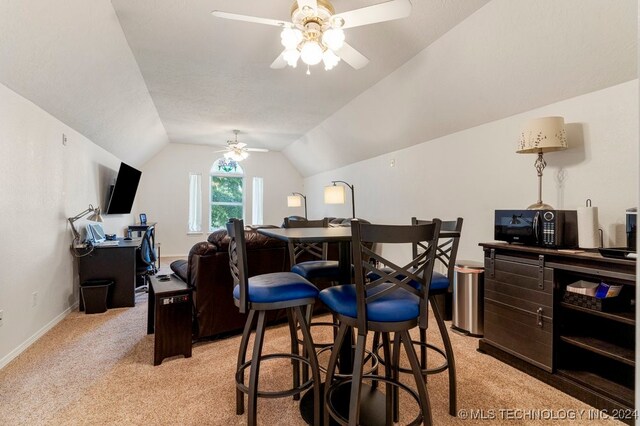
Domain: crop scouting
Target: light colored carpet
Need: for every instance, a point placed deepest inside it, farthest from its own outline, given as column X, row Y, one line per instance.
column 97, row 369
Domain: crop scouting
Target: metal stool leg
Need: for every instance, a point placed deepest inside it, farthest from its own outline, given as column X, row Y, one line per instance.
column 242, row 357
column 313, row 360
column 451, row 364
column 354, row 400
column 425, row 406
column 333, row 361
column 294, row 350
column 255, row 370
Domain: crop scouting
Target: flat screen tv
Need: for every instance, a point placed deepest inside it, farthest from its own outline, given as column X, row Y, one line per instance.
column 123, row 192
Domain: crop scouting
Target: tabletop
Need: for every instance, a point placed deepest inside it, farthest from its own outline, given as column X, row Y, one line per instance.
column 342, row 233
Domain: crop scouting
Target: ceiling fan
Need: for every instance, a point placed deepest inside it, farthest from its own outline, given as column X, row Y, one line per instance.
column 238, row 151
column 315, row 33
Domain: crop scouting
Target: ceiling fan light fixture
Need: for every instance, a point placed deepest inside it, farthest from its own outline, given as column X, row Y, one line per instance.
column 290, row 37
column 330, row 59
column 311, row 52
column 291, row 56
column 236, row 156
column 337, row 22
column 333, row 38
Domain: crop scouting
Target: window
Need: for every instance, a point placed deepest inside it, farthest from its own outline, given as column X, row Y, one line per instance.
column 256, row 217
column 227, row 192
column 195, row 203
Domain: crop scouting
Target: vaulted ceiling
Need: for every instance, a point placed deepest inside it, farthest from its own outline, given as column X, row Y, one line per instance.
column 136, row 75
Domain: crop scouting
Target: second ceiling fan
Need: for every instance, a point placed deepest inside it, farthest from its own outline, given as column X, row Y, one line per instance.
column 315, row 33
column 238, row 151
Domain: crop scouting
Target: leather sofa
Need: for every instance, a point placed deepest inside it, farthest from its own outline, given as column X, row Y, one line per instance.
column 206, row 271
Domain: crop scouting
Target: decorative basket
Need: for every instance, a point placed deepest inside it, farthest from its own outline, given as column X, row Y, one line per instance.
column 610, row 304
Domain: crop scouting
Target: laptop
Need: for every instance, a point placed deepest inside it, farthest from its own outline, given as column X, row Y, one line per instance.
column 95, row 233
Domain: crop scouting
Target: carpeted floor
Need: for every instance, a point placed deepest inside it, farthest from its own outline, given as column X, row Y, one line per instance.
column 97, row 369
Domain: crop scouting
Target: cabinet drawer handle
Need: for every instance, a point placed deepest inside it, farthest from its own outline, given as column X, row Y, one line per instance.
column 539, row 311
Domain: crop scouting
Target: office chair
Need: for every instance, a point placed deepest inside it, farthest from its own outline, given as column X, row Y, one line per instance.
column 145, row 261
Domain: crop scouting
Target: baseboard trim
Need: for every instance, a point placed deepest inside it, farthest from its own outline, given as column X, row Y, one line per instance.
column 31, row 340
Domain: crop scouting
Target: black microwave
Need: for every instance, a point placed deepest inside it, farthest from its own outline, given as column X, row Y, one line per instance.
column 543, row 228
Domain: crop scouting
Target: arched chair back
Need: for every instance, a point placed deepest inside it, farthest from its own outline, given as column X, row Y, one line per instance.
column 317, row 251
column 392, row 277
column 447, row 250
column 238, row 262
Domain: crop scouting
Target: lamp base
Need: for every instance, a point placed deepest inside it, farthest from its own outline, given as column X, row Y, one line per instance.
column 540, row 206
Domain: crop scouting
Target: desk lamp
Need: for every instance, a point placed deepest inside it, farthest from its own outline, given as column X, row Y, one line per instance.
column 94, row 217
column 537, row 137
column 295, row 200
column 334, row 194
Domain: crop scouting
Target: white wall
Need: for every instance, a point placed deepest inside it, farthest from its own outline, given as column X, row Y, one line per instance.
column 509, row 57
column 163, row 194
column 473, row 172
column 42, row 183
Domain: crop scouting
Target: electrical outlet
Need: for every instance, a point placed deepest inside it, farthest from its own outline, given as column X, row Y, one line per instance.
column 64, row 139
column 34, row 299
column 1, row 316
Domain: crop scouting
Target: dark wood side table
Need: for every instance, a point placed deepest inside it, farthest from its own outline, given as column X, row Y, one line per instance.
column 169, row 316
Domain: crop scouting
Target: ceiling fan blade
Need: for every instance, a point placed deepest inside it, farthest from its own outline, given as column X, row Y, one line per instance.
column 279, row 63
column 313, row 4
column 247, row 18
column 351, row 56
column 388, row 11
column 257, row 150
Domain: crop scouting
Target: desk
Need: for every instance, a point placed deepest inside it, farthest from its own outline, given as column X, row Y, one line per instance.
column 142, row 227
column 116, row 263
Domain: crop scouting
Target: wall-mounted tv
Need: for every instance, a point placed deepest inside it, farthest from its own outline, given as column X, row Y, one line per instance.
column 123, row 193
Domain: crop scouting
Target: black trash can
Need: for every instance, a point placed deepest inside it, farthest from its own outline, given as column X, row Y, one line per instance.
column 94, row 295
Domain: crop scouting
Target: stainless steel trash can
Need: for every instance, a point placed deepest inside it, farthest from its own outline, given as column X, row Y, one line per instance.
column 468, row 298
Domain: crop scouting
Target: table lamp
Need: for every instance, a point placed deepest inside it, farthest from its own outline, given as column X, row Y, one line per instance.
column 94, row 217
column 295, row 200
column 538, row 136
column 334, row 194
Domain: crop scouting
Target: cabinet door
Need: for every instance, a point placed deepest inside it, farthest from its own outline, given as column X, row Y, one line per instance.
column 518, row 303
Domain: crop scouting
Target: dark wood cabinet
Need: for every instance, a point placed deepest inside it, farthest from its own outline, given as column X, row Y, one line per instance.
column 587, row 353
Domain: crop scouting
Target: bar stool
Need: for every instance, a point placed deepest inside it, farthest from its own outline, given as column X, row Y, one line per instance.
column 257, row 295
column 319, row 267
column 446, row 253
column 388, row 304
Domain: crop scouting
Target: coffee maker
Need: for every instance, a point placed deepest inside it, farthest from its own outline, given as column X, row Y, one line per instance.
column 632, row 216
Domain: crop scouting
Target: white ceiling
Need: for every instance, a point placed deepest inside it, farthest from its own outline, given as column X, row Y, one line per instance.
column 208, row 76
column 135, row 75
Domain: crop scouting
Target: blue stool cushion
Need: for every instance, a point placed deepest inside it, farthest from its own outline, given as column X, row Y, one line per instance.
column 439, row 282
column 399, row 305
column 277, row 287
column 317, row 269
